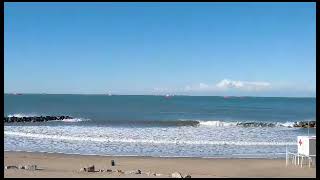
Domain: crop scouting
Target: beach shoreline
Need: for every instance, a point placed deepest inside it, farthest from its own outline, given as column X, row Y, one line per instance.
column 68, row 165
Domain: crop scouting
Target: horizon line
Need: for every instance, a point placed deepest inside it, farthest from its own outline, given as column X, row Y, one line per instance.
column 106, row 94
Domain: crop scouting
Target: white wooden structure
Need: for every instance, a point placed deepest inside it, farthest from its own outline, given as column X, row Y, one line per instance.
column 306, row 151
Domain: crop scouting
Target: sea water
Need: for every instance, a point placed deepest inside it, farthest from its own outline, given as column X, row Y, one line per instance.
column 176, row 126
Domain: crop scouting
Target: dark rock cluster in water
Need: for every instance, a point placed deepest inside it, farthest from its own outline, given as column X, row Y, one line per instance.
column 255, row 124
column 305, row 124
column 35, row 119
column 301, row 124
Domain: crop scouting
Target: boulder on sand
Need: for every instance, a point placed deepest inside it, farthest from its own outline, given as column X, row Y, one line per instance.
column 90, row 168
column 138, row 171
column 176, row 175
column 11, row 167
column 188, row 176
column 109, row 170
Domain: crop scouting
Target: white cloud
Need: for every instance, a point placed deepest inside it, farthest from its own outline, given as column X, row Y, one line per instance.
column 242, row 85
column 226, row 84
column 222, row 86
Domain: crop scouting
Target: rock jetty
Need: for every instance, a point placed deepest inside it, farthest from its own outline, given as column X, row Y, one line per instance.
column 305, row 124
column 301, row 124
column 255, row 124
column 35, row 119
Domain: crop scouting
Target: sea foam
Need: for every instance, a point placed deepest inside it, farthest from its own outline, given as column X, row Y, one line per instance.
column 106, row 139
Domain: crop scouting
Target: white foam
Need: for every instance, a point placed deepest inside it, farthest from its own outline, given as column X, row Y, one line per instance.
column 149, row 141
column 74, row 120
column 217, row 123
column 286, row 124
column 21, row 115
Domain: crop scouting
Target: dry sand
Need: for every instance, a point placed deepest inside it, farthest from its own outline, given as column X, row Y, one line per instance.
column 63, row 165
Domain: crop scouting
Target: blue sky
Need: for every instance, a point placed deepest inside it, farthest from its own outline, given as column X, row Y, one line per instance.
column 258, row 49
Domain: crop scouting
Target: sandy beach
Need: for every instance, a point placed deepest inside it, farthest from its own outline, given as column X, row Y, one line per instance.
column 64, row 165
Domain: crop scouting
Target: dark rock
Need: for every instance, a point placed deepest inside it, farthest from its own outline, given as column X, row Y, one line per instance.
column 11, row 167
column 34, row 119
column 305, row 124
column 138, row 171
column 188, row 176
column 90, row 168
column 301, row 124
column 119, row 171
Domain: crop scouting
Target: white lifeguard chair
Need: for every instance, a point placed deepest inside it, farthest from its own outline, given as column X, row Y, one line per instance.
column 306, row 151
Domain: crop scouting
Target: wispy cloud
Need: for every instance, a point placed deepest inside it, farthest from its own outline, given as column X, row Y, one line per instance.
column 221, row 86
column 242, row 85
column 227, row 84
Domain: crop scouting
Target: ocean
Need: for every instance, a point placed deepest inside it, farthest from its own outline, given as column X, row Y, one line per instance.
column 176, row 126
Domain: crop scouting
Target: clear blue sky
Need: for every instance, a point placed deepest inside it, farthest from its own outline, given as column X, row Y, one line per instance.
column 263, row 49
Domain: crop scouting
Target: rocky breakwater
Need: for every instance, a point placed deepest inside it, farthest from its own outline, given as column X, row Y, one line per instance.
column 305, row 124
column 14, row 119
column 255, row 124
column 300, row 124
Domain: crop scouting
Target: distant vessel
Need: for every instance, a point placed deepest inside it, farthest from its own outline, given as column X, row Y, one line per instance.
column 167, row 96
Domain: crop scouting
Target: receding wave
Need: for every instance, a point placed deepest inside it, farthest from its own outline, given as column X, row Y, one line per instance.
column 152, row 123
column 114, row 140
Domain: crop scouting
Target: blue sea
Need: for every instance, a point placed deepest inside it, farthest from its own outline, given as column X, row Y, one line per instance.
column 176, row 126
